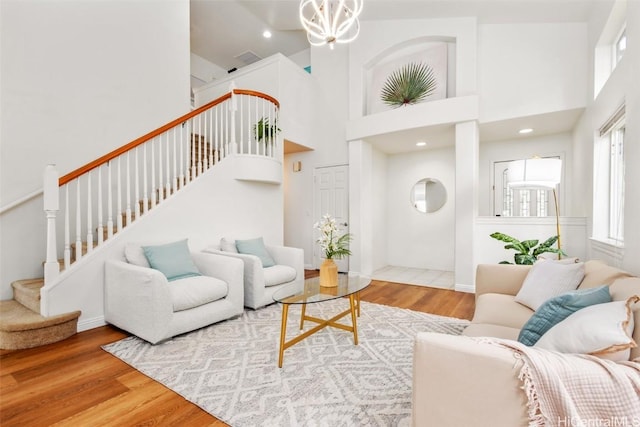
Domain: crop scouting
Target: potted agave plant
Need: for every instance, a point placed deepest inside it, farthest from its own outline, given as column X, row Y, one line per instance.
column 410, row 84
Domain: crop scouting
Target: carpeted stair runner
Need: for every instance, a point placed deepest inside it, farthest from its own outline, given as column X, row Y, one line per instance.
column 21, row 325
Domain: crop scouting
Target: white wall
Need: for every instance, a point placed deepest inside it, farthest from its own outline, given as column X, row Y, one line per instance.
column 205, row 211
column 205, row 71
column 621, row 86
column 416, row 239
column 527, row 69
column 524, row 148
column 79, row 79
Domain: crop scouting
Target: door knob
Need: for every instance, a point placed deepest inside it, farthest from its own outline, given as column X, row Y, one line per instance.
column 344, row 224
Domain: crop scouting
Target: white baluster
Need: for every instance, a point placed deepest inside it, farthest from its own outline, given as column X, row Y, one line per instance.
column 192, row 147
column 136, row 170
column 240, row 148
column 89, row 214
column 217, row 134
column 182, row 148
column 100, row 225
column 51, row 206
column 128, row 197
column 160, row 175
column 153, row 174
column 210, row 137
column 67, row 230
column 119, row 195
column 145, row 184
column 199, row 142
column 174, row 179
column 78, row 222
column 167, row 184
column 109, row 202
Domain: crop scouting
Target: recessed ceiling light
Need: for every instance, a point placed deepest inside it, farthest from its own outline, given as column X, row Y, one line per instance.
column 421, row 144
column 266, row 34
column 525, row 130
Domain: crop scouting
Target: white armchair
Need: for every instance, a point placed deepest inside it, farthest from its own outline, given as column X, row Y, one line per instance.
column 261, row 283
column 141, row 301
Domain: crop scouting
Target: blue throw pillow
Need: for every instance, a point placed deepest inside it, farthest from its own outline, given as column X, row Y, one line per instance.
column 556, row 309
column 173, row 260
column 255, row 247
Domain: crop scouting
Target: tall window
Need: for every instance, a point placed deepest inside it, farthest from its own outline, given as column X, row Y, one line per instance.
column 619, row 47
column 608, row 203
column 616, row 183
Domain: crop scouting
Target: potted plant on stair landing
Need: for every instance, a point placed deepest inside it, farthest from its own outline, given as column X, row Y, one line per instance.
column 334, row 247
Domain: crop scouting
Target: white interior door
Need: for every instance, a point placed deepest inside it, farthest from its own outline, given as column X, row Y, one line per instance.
column 331, row 196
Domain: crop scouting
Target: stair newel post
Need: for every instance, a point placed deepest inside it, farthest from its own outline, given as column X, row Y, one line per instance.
column 233, row 107
column 51, row 206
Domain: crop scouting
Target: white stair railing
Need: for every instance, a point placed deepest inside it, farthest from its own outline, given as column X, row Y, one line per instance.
column 145, row 172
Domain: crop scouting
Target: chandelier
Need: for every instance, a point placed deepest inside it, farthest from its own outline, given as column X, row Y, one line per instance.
column 330, row 21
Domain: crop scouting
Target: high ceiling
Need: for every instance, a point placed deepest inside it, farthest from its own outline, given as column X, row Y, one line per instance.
column 224, row 30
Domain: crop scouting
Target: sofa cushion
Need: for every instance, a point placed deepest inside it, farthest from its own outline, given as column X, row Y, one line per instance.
column 555, row 310
column 548, row 279
column 488, row 330
column 255, row 247
column 278, row 274
column 134, row 254
column 621, row 290
column 602, row 330
column 228, row 245
column 172, row 259
column 195, row 291
column 502, row 310
column 598, row 273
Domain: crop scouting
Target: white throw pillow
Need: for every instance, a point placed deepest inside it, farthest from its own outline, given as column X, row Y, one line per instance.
column 548, row 279
column 228, row 245
column 134, row 254
column 602, row 330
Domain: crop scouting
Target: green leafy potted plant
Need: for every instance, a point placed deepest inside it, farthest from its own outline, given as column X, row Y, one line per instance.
column 527, row 251
column 409, row 85
column 264, row 129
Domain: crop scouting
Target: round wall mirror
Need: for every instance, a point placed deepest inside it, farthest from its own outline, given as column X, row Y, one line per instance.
column 428, row 195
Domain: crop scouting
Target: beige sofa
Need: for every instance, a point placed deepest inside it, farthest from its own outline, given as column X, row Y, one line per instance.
column 461, row 382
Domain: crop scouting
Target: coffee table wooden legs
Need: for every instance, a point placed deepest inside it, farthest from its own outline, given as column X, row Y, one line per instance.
column 283, row 332
column 354, row 311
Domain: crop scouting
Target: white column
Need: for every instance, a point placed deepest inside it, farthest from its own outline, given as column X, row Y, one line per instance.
column 360, row 207
column 466, row 196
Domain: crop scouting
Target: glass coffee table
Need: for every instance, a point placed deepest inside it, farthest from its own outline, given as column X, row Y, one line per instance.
column 312, row 293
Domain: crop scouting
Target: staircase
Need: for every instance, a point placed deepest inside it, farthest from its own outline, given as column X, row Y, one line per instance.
column 22, row 326
column 131, row 181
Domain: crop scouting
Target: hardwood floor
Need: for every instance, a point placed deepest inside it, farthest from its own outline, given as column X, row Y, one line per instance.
column 76, row 383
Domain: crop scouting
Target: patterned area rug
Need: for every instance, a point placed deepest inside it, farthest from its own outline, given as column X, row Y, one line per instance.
column 230, row 369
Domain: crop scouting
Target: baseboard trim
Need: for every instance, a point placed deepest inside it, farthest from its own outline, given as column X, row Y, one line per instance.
column 309, row 267
column 86, row 324
column 470, row 289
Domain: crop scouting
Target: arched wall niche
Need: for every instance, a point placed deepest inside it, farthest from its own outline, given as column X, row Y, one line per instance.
column 439, row 52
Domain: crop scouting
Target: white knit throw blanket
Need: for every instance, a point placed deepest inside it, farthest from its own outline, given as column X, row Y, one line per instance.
column 576, row 390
